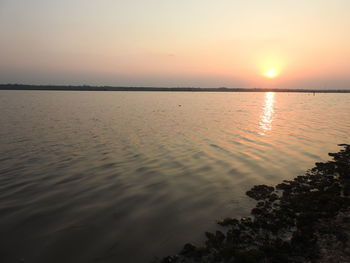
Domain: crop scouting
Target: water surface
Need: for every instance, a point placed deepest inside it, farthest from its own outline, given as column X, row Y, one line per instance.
column 125, row 176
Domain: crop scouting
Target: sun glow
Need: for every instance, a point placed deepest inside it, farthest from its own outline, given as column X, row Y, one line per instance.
column 271, row 73
column 271, row 64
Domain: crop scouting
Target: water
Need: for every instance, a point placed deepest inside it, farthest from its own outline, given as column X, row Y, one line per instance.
column 126, row 176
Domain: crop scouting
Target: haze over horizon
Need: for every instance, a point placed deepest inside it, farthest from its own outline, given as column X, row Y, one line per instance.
column 237, row 44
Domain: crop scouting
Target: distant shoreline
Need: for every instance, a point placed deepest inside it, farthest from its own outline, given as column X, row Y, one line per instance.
column 166, row 89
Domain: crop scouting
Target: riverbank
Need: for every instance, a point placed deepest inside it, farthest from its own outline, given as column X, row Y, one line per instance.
column 302, row 220
column 163, row 89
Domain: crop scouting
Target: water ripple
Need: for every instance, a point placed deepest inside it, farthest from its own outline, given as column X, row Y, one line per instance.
column 94, row 175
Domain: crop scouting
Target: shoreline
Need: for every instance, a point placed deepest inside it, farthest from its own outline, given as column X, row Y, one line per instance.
column 162, row 89
column 303, row 220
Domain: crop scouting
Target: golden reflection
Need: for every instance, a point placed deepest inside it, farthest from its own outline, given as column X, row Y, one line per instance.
column 266, row 118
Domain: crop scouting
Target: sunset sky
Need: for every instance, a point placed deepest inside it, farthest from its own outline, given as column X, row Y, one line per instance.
column 201, row 43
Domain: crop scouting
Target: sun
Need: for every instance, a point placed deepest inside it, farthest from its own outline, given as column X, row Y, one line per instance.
column 271, row 65
column 271, row 73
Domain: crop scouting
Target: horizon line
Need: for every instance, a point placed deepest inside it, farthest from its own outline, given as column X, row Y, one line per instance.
column 54, row 87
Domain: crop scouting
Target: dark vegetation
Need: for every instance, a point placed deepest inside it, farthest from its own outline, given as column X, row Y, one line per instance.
column 290, row 222
column 189, row 89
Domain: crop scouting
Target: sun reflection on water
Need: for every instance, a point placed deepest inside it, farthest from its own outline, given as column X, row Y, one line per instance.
column 266, row 117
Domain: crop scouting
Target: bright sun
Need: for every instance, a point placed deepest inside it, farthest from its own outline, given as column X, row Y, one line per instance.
column 271, row 73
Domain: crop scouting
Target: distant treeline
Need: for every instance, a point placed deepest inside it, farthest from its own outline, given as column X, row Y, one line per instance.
column 189, row 89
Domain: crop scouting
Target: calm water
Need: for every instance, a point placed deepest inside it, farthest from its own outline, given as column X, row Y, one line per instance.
column 125, row 176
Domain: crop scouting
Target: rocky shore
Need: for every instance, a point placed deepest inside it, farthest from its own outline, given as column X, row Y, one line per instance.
column 302, row 220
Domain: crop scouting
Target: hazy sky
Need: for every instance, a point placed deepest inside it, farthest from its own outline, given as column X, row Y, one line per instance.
column 203, row 43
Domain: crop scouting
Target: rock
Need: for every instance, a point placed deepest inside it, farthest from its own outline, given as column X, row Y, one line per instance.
column 260, row 192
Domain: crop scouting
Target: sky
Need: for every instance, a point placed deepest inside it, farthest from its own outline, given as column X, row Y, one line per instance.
column 196, row 43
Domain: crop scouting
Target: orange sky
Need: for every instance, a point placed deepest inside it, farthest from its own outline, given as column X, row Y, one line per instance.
column 176, row 43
